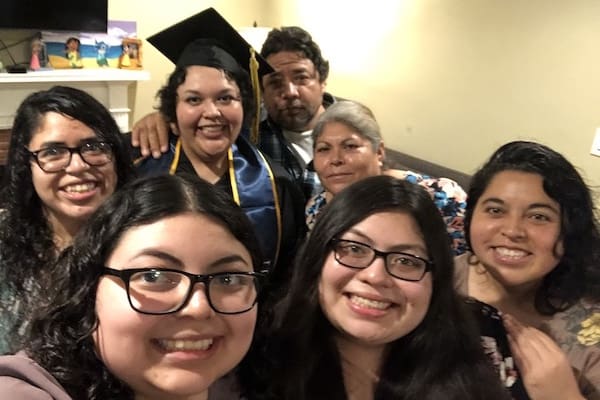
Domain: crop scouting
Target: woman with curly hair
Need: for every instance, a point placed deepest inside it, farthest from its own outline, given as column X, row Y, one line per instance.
column 66, row 156
column 137, row 309
column 535, row 256
column 371, row 312
column 209, row 102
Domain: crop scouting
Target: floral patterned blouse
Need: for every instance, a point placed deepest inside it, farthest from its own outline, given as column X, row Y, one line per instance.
column 447, row 195
column 576, row 330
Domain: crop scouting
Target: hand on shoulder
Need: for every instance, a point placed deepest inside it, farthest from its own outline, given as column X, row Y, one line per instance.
column 151, row 135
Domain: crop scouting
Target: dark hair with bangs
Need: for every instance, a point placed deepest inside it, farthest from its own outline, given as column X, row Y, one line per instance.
column 60, row 335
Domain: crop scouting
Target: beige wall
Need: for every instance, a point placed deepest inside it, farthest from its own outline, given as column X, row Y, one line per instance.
column 449, row 80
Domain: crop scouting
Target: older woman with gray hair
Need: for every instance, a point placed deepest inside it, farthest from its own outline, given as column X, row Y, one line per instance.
column 348, row 146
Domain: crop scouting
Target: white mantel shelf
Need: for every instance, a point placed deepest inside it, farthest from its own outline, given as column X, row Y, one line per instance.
column 109, row 85
column 76, row 75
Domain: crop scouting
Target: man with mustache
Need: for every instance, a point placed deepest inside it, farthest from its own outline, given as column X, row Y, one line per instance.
column 294, row 96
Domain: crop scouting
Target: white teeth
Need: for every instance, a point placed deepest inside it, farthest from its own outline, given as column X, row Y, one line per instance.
column 212, row 128
column 361, row 301
column 80, row 188
column 504, row 252
column 185, row 345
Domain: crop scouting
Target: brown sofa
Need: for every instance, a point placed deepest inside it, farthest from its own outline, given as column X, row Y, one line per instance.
column 398, row 160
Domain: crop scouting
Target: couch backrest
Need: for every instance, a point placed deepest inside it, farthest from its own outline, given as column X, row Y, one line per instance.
column 398, row 160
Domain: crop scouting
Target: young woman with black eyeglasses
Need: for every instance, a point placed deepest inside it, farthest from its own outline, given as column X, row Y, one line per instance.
column 371, row 312
column 156, row 299
column 66, row 157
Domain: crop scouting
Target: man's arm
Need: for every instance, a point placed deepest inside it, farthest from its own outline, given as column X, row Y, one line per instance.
column 151, row 134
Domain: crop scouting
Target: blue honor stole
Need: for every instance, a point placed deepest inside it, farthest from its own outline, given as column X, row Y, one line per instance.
column 253, row 188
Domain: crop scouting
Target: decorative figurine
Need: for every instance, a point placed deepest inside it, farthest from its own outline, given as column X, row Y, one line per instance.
column 73, row 55
column 101, row 49
column 131, row 57
column 125, row 60
column 38, row 55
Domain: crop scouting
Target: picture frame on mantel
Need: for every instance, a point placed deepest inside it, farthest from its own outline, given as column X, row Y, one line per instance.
column 131, row 55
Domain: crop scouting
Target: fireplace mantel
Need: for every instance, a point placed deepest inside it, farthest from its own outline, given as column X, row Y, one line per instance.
column 110, row 86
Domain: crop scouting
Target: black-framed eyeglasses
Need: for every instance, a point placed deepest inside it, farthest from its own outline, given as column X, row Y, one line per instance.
column 58, row 157
column 353, row 254
column 158, row 291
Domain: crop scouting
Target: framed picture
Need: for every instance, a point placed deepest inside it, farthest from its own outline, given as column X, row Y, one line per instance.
column 131, row 55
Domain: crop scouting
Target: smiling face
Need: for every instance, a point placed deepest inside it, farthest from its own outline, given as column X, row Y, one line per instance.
column 72, row 45
column 209, row 113
column 369, row 306
column 70, row 196
column 180, row 354
column 293, row 94
column 515, row 230
column 342, row 156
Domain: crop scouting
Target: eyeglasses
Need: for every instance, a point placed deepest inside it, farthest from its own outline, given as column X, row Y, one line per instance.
column 58, row 157
column 400, row 265
column 160, row 291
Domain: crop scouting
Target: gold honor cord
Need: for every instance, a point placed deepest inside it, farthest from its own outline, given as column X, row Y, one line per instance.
column 175, row 161
column 138, row 160
column 277, row 208
column 254, row 134
column 235, row 191
column 234, row 188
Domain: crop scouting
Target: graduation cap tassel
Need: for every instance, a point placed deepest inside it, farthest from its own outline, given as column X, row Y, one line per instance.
column 254, row 134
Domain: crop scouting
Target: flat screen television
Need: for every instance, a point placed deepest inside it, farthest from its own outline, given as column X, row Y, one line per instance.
column 58, row 15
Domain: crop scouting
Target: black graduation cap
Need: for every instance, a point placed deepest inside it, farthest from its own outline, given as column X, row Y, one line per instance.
column 207, row 39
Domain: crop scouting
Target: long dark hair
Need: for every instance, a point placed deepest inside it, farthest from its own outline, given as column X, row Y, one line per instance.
column 60, row 336
column 26, row 239
column 295, row 354
column 577, row 275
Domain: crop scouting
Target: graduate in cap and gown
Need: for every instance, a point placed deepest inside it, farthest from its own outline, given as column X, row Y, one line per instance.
column 212, row 103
